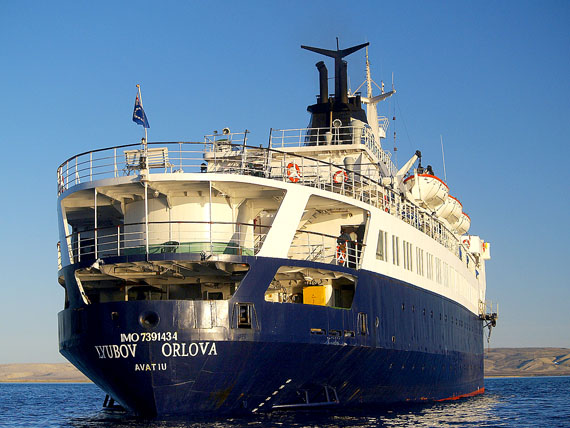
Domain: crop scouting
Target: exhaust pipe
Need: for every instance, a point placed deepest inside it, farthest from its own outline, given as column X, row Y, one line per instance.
column 323, row 82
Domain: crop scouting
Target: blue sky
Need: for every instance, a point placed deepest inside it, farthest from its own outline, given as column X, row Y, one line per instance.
column 491, row 77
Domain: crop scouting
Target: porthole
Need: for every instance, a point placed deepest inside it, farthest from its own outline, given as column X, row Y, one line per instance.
column 149, row 319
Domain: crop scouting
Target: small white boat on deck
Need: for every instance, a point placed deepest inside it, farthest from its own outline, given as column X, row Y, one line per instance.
column 428, row 190
column 450, row 211
column 463, row 224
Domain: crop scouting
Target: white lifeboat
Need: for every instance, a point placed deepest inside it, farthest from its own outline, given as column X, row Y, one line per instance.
column 428, row 190
column 451, row 210
column 463, row 224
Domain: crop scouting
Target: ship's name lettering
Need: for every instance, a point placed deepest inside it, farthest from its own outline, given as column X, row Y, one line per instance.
column 150, row 367
column 191, row 349
column 154, row 336
column 116, row 351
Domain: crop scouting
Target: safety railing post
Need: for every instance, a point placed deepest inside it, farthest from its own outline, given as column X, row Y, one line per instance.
column 66, row 176
column 78, row 246
column 303, row 171
column 118, row 240
column 95, row 233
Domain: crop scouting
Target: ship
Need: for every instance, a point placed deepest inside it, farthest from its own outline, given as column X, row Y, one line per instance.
column 224, row 276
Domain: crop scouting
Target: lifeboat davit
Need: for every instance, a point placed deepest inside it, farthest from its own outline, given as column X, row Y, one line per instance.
column 451, row 210
column 428, row 190
column 463, row 224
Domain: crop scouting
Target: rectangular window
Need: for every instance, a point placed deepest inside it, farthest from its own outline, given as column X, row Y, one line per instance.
column 445, row 274
column 396, row 250
column 405, row 253
column 381, row 247
column 420, row 261
column 438, row 270
column 244, row 315
column 407, row 247
column 363, row 323
column 429, row 266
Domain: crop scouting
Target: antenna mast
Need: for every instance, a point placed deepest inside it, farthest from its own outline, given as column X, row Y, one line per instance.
column 368, row 77
column 443, row 157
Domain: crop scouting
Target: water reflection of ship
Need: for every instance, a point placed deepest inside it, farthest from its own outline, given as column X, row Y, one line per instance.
column 217, row 276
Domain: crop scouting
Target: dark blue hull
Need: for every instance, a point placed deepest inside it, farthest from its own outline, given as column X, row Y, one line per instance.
column 415, row 346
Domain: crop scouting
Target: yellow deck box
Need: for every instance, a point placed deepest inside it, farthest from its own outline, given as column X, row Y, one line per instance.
column 314, row 295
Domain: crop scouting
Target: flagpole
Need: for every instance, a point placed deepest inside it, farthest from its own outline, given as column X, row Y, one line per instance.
column 145, row 181
column 140, row 98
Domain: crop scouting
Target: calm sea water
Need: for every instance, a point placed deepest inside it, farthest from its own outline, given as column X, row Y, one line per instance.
column 508, row 402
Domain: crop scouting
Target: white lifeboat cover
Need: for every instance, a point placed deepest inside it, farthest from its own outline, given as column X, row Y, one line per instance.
column 463, row 224
column 428, row 190
column 451, row 210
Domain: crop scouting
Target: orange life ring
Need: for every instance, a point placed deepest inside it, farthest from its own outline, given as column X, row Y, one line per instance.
column 341, row 254
column 293, row 172
column 466, row 243
column 337, row 177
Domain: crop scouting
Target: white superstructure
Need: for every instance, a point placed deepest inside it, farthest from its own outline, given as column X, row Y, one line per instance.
column 293, row 199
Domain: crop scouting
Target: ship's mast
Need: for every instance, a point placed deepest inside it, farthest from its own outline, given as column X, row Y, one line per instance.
column 372, row 101
column 368, row 77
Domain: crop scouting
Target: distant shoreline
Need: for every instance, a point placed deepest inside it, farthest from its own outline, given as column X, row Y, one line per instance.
column 527, row 362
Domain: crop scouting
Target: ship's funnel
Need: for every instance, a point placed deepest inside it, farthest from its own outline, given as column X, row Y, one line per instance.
column 343, row 107
column 340, row 74
column 323, row 81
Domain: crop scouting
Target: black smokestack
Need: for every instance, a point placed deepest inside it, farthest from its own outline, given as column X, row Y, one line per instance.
column 323, row 81
column 340, row 74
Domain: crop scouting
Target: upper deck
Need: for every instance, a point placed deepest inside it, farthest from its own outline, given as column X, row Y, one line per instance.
column 231, row 154
column 318, row 141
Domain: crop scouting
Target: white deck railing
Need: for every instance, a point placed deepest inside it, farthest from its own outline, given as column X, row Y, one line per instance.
column 167, row 237
column 337, row 137
column 325, row 248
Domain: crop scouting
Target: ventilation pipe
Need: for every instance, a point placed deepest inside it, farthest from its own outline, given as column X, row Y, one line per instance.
column 323, row 82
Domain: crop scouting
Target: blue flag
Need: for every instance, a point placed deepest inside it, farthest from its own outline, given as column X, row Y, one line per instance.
column 138, row 114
